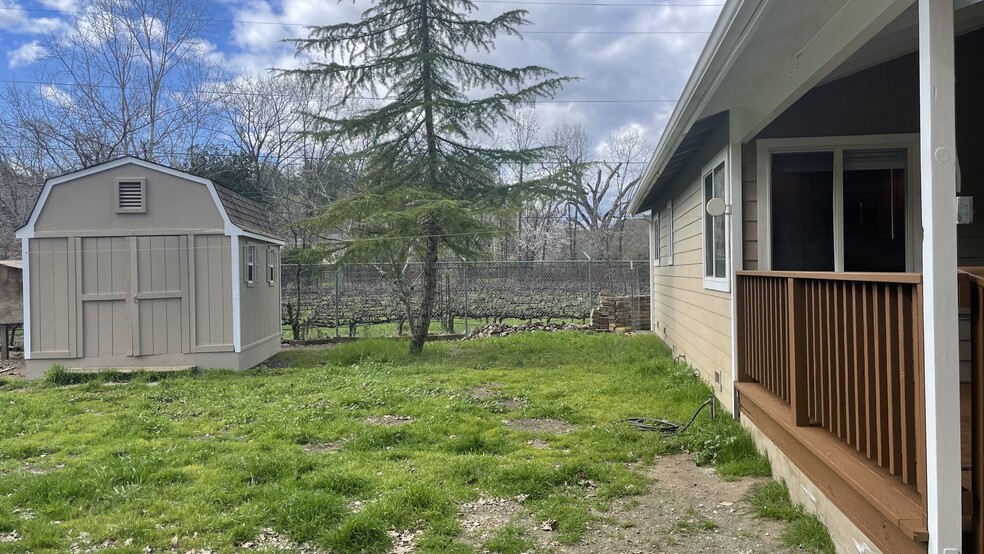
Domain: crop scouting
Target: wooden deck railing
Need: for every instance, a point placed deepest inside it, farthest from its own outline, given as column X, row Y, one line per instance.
column 844, row 352
column 973, row 279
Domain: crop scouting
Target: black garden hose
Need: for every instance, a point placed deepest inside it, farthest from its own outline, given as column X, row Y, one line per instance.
column 668, row 427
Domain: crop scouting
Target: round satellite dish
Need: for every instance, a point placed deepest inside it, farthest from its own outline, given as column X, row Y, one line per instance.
column 715, row 207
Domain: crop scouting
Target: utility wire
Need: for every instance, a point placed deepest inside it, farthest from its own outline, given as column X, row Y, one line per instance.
column 534, row 32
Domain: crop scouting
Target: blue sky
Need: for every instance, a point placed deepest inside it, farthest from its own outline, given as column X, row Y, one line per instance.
column 633, row 56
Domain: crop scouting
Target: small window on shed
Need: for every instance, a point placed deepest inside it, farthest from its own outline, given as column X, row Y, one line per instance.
column 250, row 273
column 131, row 196
column 271, row 266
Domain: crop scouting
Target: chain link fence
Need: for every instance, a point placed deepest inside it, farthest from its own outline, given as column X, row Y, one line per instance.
column 329, row 300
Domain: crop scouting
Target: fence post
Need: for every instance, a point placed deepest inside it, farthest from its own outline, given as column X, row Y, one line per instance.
column 338, row 282
column 464, row 281
column 590, row 289
column 796, row 296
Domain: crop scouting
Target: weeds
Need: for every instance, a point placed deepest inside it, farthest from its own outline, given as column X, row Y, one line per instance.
column 804, row 531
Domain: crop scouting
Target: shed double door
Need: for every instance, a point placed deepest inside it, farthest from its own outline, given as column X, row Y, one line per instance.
column 133, row 296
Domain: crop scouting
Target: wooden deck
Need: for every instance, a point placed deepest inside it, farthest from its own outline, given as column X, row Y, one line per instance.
column 830, row 367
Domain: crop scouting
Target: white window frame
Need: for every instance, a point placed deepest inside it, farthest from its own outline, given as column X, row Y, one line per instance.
column 722, row 284
column 669, row 232
column 837, row 145
column 250, row 276
column 654, row 236
column 271, row 275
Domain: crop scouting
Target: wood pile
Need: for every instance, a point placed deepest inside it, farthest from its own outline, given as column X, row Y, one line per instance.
column 619, row 313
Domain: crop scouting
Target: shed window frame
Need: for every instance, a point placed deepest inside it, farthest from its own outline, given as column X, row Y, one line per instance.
column 250, row 265
column 142, row 208
column 717, row 166
column 271, row 265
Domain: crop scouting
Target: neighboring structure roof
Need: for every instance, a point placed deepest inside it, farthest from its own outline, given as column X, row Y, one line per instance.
column 244, row 215
column 245, row 212
column 16, row 264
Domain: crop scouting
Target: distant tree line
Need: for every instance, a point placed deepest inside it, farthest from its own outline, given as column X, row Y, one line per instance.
column 137, row 77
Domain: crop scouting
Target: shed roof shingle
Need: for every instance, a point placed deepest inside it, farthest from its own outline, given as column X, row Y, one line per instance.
column 245, row 213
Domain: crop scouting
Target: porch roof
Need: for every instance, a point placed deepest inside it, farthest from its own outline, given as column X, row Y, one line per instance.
column 763, row 55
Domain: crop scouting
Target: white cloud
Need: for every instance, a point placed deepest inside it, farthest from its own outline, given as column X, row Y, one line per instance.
column 56, row 96
column 25, row 54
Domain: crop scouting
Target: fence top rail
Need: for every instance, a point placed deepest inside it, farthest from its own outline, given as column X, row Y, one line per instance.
column 902, row 278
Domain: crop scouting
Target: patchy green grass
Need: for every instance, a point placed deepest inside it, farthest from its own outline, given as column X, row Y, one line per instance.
column 213, row 457
column 804, row 531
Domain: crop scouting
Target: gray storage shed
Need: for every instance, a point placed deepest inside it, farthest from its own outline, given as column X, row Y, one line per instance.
column 131, row 264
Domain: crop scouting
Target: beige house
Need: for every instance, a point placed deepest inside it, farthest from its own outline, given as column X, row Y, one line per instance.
column 810, row 224
column 131, row 264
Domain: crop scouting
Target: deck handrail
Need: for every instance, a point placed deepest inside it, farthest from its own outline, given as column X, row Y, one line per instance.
column 843, row 352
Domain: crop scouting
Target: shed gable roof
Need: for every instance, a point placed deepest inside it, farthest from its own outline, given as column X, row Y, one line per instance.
column 242, row 214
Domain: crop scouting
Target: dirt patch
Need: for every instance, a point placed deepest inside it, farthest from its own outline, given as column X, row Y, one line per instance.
column 541, row 425
column 490, row 393
column 269, row 539
column 323, row 447
column 687, row 509
column 539, row 444
column 485, row 392
column 482, row 518
column 389, row 420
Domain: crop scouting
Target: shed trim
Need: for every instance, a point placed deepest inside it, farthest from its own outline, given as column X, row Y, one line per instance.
column 237, row 323
column 26, row 292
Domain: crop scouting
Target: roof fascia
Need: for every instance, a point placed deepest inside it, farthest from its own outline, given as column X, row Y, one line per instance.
column 737, row 22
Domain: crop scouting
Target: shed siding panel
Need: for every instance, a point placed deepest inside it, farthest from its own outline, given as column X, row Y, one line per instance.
column 51, row 286
column 260, row 303
column 106, row 329
column 87, row 205
column 213, row 293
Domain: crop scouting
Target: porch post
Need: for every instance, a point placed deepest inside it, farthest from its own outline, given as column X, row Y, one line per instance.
column 937, row 151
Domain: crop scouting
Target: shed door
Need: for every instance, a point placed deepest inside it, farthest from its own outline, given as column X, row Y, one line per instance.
column 106, row 297
column 133, row 300
column 159, row 300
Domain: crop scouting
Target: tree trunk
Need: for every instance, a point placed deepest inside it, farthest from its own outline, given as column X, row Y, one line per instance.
column 430, row 289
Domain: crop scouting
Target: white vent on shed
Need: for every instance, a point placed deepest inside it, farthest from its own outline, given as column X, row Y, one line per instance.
column 131, row 196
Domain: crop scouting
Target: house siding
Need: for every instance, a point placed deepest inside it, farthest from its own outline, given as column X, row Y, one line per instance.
column 693, row 321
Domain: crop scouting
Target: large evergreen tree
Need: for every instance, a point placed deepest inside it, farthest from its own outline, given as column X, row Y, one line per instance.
column 428, row 185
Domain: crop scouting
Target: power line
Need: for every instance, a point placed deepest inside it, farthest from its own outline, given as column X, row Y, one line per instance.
column 525, row 32
column 335, row 97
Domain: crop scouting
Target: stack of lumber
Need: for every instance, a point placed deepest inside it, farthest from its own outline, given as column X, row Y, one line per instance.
column 621, row 313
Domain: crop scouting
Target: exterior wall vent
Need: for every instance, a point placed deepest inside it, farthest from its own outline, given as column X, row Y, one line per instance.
column 131, row 196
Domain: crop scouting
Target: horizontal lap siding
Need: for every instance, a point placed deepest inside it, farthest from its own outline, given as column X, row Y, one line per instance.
column 694, row 322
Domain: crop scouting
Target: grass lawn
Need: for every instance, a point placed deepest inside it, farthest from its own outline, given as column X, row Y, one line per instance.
column 209, row 459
